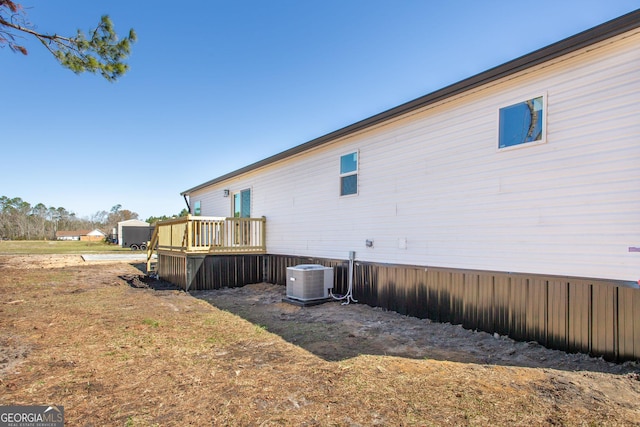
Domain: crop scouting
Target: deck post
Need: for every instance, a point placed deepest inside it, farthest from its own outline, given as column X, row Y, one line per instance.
column 189, row 234
column 263, row 234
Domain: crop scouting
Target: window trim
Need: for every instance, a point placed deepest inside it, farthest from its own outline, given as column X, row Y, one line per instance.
column 350, row 173
column 514, row 102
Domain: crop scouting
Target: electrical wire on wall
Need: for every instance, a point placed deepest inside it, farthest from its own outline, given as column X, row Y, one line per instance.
column 348, row 297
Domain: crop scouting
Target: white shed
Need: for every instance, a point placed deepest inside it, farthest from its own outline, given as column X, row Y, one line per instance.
column 129, row 223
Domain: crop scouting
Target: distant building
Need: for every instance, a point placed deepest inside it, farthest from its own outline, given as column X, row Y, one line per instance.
column 130, row 224
column 83, row 235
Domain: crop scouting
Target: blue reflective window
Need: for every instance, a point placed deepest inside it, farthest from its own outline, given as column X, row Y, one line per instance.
column 242, row 204
column 349, row 163
column 349, row 174
column 521, row 123
column 348, row 185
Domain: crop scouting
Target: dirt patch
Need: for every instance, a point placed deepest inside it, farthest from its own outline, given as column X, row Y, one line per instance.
column 116, row 348
column 39, row 261
column 13, row 351
column 335, row 331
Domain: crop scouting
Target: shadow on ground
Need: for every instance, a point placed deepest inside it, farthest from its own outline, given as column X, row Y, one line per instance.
column 336, row 332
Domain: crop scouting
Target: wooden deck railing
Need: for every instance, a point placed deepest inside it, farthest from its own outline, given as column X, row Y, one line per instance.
column 208, row 235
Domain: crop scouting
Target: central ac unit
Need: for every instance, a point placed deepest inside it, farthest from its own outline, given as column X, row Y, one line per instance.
column 306, row 282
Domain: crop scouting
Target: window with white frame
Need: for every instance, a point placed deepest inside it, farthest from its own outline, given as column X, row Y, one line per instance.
column 349, row 174
column 196, row 208
column 522, row 123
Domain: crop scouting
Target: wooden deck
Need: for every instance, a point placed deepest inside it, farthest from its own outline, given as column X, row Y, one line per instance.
column 202, row 235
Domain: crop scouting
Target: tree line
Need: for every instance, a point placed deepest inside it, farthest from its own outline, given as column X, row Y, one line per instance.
column 19, row 220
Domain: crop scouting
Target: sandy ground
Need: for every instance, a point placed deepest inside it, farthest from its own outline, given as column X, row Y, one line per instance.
column 354, row 329
column 569, row 389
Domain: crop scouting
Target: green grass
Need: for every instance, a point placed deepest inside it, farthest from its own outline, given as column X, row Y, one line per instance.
column 56, row 247
column 151, row 322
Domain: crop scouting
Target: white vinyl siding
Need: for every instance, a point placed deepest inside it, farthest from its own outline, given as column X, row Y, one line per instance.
column 434, row 191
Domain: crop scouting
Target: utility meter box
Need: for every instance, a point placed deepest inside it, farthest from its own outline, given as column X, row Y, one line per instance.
column 307, row 282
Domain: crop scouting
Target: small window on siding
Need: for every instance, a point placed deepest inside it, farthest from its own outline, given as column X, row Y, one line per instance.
column 522, row 123
column 196, row 208
column 349, row 174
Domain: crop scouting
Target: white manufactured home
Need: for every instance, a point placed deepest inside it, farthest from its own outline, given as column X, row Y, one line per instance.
column 528, row 173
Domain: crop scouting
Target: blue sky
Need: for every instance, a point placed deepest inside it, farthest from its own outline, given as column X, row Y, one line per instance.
column 217, row 85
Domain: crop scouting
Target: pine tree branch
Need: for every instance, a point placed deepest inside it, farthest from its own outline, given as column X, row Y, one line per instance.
column 103, row 53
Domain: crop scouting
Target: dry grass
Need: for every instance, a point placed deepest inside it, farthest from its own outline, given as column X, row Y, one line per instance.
column 56, row 247
column 115, row 355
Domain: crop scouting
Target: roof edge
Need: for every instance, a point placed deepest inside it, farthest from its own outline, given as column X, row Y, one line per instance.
column 570, row 44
